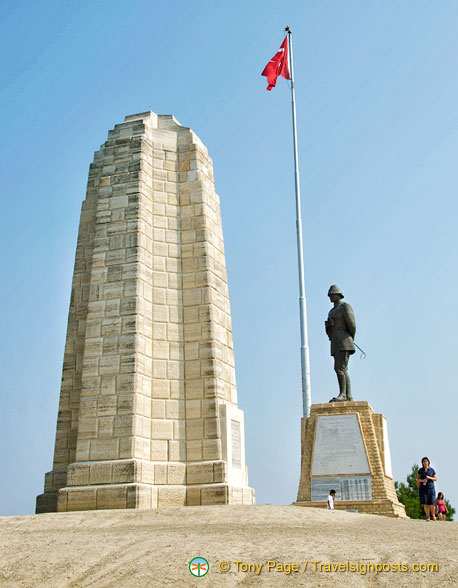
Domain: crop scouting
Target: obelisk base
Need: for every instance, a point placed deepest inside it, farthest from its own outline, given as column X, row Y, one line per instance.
column 345, row 447
column 133, row 483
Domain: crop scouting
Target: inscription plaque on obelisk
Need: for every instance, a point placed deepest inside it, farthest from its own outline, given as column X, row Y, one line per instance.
column 236, row 444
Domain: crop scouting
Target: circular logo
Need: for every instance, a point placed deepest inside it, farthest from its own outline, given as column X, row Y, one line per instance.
column 198, row 566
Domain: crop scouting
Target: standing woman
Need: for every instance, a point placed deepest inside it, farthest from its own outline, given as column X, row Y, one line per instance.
column 425, row 482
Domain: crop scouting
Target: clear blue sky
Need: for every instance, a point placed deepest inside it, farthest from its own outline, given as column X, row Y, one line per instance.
column 377, row 89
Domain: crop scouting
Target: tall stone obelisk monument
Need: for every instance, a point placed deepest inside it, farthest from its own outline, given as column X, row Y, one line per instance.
column 148, row 411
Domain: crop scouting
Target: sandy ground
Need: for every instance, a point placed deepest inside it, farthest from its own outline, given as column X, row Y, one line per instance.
column 153, row 548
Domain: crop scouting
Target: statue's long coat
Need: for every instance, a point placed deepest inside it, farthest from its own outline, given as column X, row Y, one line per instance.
column 341, row 328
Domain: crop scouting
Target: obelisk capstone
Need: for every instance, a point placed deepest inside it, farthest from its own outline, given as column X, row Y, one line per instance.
column 148, row 412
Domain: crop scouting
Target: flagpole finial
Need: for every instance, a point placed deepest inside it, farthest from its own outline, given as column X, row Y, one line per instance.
column 287, row 29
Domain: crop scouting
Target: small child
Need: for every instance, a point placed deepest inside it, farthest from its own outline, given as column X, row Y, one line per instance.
column 441, row 507
column 331, row 497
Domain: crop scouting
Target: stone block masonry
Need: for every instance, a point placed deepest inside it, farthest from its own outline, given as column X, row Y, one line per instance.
column 345, row 447
column 148, row 411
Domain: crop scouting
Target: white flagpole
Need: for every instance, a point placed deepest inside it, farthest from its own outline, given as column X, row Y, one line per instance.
column 305, row 362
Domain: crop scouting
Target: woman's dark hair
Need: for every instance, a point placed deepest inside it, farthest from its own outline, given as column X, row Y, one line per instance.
column 440, row 496
column 332, row 492
column 427, row 459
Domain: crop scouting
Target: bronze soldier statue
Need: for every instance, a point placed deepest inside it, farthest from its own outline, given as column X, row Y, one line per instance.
column 341, row 329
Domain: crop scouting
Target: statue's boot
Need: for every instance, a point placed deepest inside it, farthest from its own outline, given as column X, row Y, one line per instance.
column 339, row 398
column 348, row 388
column 341, row 378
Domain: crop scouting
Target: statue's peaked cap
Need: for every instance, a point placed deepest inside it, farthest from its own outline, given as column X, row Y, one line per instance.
column 335, row 290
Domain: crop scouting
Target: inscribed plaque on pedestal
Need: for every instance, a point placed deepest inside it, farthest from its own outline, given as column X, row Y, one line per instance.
column 339, row 446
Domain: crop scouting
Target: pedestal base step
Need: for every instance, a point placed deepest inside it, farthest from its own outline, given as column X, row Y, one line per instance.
column 385, row 508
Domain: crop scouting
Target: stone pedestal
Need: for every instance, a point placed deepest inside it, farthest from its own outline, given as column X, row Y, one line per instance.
column 345, row 447
column 148, row 412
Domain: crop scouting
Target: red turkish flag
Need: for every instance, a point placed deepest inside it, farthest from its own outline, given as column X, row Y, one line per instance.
column 278, row 65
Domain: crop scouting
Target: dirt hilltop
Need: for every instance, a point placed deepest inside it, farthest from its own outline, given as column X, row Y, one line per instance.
column 149, row 548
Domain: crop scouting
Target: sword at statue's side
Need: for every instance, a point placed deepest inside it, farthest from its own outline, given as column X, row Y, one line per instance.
column 305, row 361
